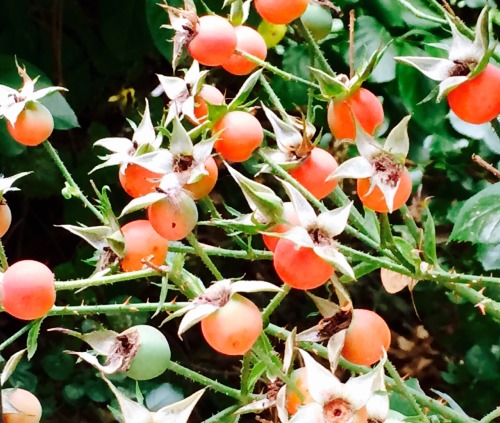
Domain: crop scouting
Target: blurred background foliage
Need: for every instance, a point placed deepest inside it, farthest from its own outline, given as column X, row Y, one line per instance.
column 108, row 48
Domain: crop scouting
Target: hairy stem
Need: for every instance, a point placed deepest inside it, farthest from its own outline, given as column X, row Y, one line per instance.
column 71, row 182
column 3, row 258
column 16, row 336
column 207, row 261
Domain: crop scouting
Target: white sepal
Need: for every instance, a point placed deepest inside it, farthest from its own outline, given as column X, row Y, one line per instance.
column 195, row 315
column 6, row 183
column 333, row 222
column 178, row 412
column 299, row 236
column 449, row 84
column 334, row 257
column 357, row 167
column 132, row 412
column 94, row 235
column 101, row 341
column 142, row 202
column 304, row 211
column 181, row 144
column 287, row 137
column 289, row 350
column 334, row 348
column 254, row 286
column 310, row 413
column 255, row 406
column 398, row 142
column 323, row 385
column 281, row 405
column 145, row 132
column 110, row 368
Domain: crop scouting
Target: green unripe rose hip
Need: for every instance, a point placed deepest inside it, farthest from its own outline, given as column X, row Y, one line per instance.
column 318, row 21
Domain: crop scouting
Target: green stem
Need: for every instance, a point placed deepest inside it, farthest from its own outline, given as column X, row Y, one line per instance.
column 200, row 251
column 273, row 97
column 393, row 373
column 178, row 247
column 71, row 182
column 490, row 416
column 380, row 261
column 203, row 380
column 113, row 308
column 104, row 280
column 217, row 418
column 274, row 303
column 419, row 14
column 246, row 366
column 277, row 71
column 3, row 258
column 421, row 398
column 318, row 54
column 16, row 336
column 485, row 305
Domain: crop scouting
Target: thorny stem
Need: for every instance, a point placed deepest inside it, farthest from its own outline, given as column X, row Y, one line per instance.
column 178, row 247
column 275, row 302
column 490, row 416
column 393, row 373
column 3, row 258
column 421, row 398
column 419, row 14
column 206, row 381
column 207, row 261
column 16, row 336
column 246, row 366
column 71, row 182
column 104, row 280
column 113, row 308
column 277, row 71
column 318, row 54
column 273, row 97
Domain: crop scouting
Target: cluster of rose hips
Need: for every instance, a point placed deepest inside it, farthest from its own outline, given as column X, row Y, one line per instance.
column 167, row 183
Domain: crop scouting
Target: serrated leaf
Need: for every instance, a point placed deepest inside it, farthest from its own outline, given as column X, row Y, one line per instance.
column 479, row 218
column 245, row 90
column 32, row 341
column 10, row 366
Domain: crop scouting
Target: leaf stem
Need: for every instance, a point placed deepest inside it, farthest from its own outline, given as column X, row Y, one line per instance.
column 222, row 252
column 273, row 97
column 113, row 308
column 71, row 182
column 275, row 302
column 207, row 261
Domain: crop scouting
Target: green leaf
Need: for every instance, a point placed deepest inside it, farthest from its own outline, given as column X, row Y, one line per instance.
column 372, row 224
column 63, row 114
column 245, row 90
column 482, row 363
column 370, row 36
column 479, row 219
column 32, row 341
column 489, row 256
column 429, row 246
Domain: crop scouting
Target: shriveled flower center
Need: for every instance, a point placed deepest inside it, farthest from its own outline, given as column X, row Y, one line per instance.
column 374, row 421
column 463, row 67
column 387, row 170
column 337, row 411
column 183, row 163
column 329, row 326
column 216, row 295
column 273, row 389
column 320, row 238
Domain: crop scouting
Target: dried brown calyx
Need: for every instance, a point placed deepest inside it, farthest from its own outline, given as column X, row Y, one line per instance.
column 329, row 326
column 123, row 350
